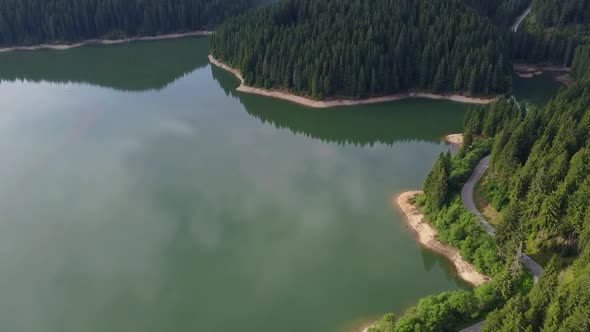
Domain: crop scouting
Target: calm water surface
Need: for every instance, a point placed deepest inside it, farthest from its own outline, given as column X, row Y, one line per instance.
column 536, row 91
column 138, row 192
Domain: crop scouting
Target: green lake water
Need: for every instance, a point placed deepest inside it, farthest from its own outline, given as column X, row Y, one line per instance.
column 139, row 192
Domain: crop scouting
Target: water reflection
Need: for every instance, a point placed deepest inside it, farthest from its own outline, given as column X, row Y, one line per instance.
column 365, row 125
column 137, row 66
column 538, row 90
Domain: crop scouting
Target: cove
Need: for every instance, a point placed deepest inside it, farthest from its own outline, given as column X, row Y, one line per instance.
column 140, row 192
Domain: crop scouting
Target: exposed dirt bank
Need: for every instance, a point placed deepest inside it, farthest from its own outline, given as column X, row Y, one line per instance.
column 538, row 69
column 454, row 139
column 102, row 42
column 427, row 237
column 343, row 102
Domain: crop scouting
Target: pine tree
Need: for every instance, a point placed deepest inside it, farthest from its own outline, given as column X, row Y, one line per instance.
column 436, row 185
column 378, row 49
column 541, row 295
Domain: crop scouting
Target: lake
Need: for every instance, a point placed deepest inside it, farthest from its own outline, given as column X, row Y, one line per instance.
column 139, row 192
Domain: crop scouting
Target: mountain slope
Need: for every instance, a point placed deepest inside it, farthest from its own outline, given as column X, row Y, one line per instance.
column 25, row 22
column 355, row 48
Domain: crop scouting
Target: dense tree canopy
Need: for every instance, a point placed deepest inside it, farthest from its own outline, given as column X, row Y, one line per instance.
column 581, row 61
column 556, row 47
column 552, row 32
column 539, row 180
column 358, row 48
column 37, row 21
column 559, row 13
column 540, row 170
column 502, row 12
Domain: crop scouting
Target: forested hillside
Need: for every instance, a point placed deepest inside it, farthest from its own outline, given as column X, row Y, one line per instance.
column 560, row 13
column 37, row 21
column 553, row 31
column 539, row 180
column 502, row 12
column 540, row 171
column 355, row 48
column 581, row 61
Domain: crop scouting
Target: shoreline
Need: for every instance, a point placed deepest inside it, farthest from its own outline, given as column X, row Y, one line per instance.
column 454, row 139
column 559, row 74
column 277, row 94
column 427, row 237
column 61, row 47
column 537, row 69
column 565, row 79
column 365, row 327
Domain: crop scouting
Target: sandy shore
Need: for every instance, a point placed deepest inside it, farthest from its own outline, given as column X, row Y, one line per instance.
column 365, row 328
column 454, row 139
column 559, row 74
column 342, row 102
column 103, row 42
column 538, row 69
column 427, row 237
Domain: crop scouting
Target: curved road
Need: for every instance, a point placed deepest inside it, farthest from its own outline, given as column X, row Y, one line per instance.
column 474, row 328
column 520, row 19
column 467, row 193
column 467, row 198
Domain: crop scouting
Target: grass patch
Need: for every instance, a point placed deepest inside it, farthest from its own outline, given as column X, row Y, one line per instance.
column 482, row 205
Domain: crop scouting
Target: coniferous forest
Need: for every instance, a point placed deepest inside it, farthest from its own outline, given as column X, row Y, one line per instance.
column 539, row 181
column 355, row 48
column 501, row 12
column 552, row 32
column 551, row 13
column 539, row 176
column 24, row 22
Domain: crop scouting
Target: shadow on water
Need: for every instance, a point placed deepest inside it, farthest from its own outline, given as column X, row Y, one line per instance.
column 363, row 125
column 538, row 90
column 136, row 66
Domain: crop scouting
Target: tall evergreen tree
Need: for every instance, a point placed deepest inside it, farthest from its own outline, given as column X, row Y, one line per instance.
column 374, row 47
column 24, row 22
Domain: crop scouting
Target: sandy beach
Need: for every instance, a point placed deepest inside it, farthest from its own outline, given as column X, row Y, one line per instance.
column 342, row 102
column 102, row 42
column 427, row 237
column 454, row 139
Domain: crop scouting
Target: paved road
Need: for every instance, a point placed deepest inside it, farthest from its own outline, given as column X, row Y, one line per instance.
column 474, row 328
column 520, row 19
column 467, row 193
column 467, row 198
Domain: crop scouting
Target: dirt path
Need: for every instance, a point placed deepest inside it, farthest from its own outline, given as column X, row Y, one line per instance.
column 342, row 102
column 427, row 237
column 102, row 42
